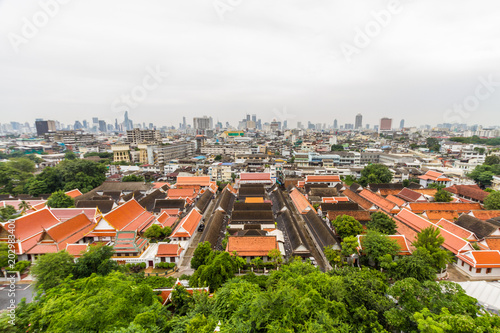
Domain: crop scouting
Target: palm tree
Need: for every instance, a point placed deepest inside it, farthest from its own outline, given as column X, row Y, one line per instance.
column 24, row 206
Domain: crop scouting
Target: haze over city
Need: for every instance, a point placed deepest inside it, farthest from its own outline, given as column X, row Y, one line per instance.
column 315, row 61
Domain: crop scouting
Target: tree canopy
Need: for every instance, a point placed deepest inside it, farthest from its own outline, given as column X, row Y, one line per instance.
column 492, row 200
column 442, row 196
column 382, row 223
column 375, row 174
column 51, row 269
column 133, row 178
column 59, row 199
column 346, row 226
column 201, row 255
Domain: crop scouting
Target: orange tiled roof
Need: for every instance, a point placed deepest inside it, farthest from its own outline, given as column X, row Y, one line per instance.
column 195, row 180
column 436, row 215
column 76, row 249
column 362, row 202
column 247, row 246
column 420, row 207
column 254, row 200
column 426, row 191
column 457, row 230
column 166, row 220
column 388, row 191
column 168, row 250
column 74, row 193
column 255, row 176
column 34, row 223
column 377, row 200
column 485, row 214
column 158, row 185
column 398, row 201
column 322, row 179
column 188, row 225
column 469, row 191
column 129, row 216
column 301, row 203
column 181, row 193
column 64, row 214
column 493, row 243
column 435, row 176
column 411, row 196
column 452, row 242
column 481, row 259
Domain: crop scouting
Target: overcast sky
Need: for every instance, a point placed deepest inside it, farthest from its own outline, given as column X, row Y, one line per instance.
column 291, row 60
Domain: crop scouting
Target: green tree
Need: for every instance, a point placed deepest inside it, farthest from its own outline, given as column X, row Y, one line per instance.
column 333, row 256
column 483, row 174
column 94, row 304
column 382, row 223
column 96, row 260
column 8, row 212
column 133, row 178
column 375, row 174
column 181, row 300
column 4, row 255
column 59, row 199
column 436, row 186
column 51, row 269
column 442, row 196
column 349, row 247
column 218, row 158
column 69, row 155
column 275, row 256
column 15, row 174
column 413, row 296
column 154, row 232
column 492, row 201
column 24, row 206
column 201, row 255
column 431, row 240
column 417, row 266
column 346, row 226
column 433, row 144
column 257, row 262
column 376, row 246
column 337, row 147
column 220, row 267
column 492, row 160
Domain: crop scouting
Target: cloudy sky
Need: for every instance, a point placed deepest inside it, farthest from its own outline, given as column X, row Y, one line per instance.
column 425, row 61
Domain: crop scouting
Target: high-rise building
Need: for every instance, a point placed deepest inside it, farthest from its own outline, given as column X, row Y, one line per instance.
column 335, row 124
column 102, row 126
column 299, row 125
column 85, row 124
column 127, row 123
column 254, row 118
column 402, row 124
column 78, row 125
column 184, row 123
column 248, row 117
column 201, row 124
column 385, row 124
column 359, row 121
column 45, row 126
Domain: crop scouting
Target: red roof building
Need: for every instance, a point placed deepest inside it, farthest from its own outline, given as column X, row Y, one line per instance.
column 411, row 196
column 201, row 181
column 187, row 226
column 300, row 202
column 168, row 252
column 380, row 202
column 255, row 178
column 417, row 223
column 480, row 264
column 330, row 180
column 431, row 177
column 468, row 192
column 459, row 207
column 74, row 193
column 166, row 220
column 249, row 247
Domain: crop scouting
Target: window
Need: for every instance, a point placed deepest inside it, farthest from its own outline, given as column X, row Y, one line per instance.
column 470, row 268
column 478, row 270
column 488, row 270
column 463, row 263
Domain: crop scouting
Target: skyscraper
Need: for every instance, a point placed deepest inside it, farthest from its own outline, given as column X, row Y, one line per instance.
column 385, row 124
column 254, row 118
column 359, row 121
column 45, row 126
column 335, row 124
column 402, row 124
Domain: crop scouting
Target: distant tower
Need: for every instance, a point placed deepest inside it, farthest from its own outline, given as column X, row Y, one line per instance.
column 385, row 124
column 335, row 124
column 126, row 122
column 402, row 124
column 358, row 124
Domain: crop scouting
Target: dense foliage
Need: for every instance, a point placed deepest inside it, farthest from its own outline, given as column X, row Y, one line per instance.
column 346, row 226
column 382, row 223
column 492, row 201
column 442, row 196
column 68, row 175
column 477, row 140
column 375, row 174
column 59, row 199
column 133, row 178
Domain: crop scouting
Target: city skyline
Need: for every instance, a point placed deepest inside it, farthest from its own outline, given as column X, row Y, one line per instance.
column 299, row 61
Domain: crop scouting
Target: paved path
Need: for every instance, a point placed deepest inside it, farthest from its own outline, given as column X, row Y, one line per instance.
column 22, row 290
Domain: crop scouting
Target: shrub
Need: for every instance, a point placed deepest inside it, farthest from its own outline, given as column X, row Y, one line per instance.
column 22, row 265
